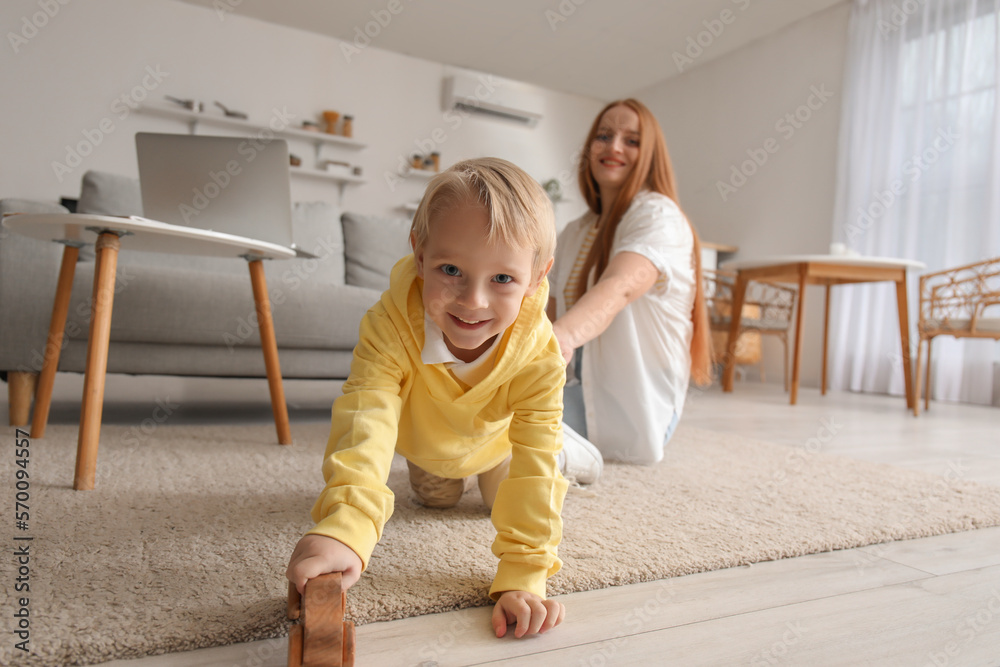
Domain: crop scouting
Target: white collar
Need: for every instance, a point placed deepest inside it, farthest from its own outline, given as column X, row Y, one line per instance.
column 436, row 351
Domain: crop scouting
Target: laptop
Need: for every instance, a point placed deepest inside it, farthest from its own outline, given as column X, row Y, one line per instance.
column 232, row 185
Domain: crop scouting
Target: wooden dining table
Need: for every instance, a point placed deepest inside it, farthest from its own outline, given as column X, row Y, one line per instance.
column 825, row 270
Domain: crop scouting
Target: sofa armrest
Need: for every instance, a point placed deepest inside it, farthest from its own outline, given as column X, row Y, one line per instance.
column 29, row 269
column 12, row 205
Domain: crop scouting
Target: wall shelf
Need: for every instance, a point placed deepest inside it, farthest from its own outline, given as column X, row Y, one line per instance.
column 318, row 139
column 194, row 118
column 319, row 173
column 420, row 174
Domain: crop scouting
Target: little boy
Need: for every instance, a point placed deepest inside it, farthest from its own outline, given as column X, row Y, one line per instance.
column 458, row 371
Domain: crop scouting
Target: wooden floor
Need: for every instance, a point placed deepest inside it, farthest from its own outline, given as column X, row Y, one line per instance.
column 932, row 602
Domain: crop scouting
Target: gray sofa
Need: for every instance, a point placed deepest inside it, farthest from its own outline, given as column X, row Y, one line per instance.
column 179, row 315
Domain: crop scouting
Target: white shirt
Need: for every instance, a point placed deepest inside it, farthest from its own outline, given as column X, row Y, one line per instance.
column 635, row 375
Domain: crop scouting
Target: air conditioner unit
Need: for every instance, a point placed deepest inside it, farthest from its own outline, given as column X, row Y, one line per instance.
column 489, row 95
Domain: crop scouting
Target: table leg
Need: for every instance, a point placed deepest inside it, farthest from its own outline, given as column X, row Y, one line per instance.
column 797, row 349
column 904, row 338
column 826, row 338
column 270, row 347
column 916, row 390
column 729, row 362
column 20, row 389
column 107, row 248
column 53, row 345
column 927, row 379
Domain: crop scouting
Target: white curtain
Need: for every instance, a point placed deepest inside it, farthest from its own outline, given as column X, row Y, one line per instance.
column 918, row 177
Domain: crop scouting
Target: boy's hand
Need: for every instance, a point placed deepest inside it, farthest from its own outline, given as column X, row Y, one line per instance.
column 315, row 555
column 532, row 614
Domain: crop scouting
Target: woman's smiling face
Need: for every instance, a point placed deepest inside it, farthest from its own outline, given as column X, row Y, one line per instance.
column 615, row 149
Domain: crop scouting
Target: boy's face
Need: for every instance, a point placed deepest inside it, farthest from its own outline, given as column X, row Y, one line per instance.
column 472, row 289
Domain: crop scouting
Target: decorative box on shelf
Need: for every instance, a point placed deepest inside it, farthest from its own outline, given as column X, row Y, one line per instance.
column 340, row 169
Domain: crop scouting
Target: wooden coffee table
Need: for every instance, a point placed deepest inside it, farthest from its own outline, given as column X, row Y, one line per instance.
column 111, row 234
column 827, row 270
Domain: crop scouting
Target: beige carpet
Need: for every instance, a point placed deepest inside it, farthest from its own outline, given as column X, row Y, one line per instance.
column 184, row 542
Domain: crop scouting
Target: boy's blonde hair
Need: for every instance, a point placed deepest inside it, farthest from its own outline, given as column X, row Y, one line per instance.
column 520, row 212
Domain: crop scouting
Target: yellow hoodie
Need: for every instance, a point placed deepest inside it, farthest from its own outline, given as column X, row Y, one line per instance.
column 393, row 402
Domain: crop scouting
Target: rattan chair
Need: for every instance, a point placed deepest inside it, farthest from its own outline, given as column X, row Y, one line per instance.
column 767, row 310
column 953, row 303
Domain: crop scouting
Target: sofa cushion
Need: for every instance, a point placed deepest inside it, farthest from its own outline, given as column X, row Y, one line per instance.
column 109, row 194
column 317, row 229
column 373, row 245
column 28, row 271
column 162, row 305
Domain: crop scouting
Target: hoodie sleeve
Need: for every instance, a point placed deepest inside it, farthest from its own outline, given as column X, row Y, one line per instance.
column 356, row 502
column 529, row 502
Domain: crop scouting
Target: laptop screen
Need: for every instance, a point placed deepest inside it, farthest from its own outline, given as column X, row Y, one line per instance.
column 232, row 185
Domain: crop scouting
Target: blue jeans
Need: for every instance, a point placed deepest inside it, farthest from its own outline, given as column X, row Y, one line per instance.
column 574, row 411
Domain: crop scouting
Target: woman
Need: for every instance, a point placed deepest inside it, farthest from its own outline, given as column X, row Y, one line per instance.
column 627, row 293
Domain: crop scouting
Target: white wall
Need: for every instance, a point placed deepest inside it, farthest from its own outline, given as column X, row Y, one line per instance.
column 69, row 78
column 715, row 113
column 62, row 81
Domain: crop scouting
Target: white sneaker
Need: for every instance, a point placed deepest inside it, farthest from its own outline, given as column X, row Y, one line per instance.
column 579, row 461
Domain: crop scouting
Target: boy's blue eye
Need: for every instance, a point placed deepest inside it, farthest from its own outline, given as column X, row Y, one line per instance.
column 503, row 278
column 450, row 270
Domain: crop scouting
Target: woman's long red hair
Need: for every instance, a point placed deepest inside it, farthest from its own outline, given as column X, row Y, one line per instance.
column 652, row 171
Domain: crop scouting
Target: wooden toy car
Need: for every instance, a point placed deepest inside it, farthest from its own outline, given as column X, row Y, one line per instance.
column 321, row 638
